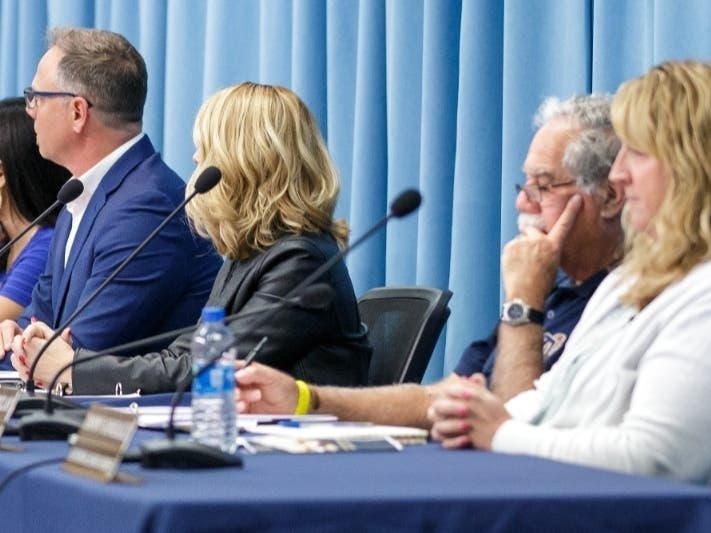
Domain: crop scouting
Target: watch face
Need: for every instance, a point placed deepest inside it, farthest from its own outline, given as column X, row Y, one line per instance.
column 515, row 311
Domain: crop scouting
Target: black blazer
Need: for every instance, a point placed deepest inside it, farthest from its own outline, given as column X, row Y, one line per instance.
column 321, row 347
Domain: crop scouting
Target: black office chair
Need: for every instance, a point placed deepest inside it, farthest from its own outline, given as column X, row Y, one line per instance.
column 404, row 324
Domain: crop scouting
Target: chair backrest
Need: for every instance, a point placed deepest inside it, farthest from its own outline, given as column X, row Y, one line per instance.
column 404, row 324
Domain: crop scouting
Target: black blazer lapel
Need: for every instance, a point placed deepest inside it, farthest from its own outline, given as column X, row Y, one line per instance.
column 226, row 289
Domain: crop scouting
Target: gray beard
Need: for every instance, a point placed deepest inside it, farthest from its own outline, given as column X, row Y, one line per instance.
column 526, row 220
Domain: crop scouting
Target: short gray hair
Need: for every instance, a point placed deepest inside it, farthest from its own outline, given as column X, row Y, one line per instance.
column 590, row 154
column 106, row 69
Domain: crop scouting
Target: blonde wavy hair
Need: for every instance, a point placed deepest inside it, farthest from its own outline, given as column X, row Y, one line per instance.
column 667, row 113
column 277, row 175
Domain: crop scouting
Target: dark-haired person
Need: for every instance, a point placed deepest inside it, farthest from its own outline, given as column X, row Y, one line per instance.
column 86, row 100
column 28, row 185
column 271, row 216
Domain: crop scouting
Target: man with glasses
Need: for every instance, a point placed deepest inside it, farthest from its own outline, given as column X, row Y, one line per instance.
column 550, row 274
column 86, row 100
column 570, row 237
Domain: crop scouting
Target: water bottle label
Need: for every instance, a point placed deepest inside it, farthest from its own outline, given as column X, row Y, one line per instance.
column 216, row 379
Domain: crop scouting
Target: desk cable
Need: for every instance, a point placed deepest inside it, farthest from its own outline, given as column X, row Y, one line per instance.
column 26, row 468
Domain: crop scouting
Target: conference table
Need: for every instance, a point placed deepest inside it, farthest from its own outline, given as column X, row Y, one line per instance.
column 422, row 488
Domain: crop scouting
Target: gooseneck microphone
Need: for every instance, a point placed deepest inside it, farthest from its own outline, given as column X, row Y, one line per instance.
column 173, row 453
column 47, row 425
column 405, row 203
column 69, row 192
column 206, row 181
column 315, row 298
column 183, row 452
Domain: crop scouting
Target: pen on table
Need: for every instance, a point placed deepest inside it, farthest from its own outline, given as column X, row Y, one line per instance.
column 289, row 423
column 253, row 352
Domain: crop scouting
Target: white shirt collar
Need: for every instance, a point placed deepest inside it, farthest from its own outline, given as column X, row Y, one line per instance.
column 92, row 177
column 91, row 180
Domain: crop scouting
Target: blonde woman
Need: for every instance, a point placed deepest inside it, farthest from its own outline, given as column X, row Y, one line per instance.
column 632, row 388
column 271, row 217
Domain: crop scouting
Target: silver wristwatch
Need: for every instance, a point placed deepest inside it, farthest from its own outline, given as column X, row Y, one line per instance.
column 517, row 312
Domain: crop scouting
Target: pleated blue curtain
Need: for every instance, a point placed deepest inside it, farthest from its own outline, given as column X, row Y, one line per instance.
column 433, row 94
column 477, row 209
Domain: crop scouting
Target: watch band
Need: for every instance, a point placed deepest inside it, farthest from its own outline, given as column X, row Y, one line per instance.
column 536, row 316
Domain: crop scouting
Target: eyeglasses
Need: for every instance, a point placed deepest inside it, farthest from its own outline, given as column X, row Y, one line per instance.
column 31, row 96
column 534, row 192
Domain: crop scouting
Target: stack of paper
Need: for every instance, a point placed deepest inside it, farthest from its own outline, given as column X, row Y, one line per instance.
column 341, row 430
column 308, row 437
column 156, row 417
column 295, row 433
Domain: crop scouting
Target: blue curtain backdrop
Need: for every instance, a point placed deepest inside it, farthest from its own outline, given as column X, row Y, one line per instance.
column 433, row 94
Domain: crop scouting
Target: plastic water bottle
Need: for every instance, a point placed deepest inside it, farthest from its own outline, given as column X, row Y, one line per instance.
column 213, row 392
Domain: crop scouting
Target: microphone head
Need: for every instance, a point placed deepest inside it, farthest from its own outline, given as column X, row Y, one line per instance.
column 317, row 296
column 207, row 179
column 70, row 191
column 406, row 202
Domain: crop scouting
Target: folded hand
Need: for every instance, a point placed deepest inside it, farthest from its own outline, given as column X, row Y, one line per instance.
column 466, row 414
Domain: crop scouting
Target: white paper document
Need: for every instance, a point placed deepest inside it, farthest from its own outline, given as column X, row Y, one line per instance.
column 340, row 430
column 156, row 417
column 9, row 375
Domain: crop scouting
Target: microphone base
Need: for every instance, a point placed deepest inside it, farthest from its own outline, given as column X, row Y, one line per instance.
column 185, row 454
column 32, row 403
column 45, row 426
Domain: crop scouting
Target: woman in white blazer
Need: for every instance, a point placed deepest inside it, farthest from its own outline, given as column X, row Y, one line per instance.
column 631, row 391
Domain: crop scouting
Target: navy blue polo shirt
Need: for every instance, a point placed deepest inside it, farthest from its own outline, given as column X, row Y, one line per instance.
column 563, row 308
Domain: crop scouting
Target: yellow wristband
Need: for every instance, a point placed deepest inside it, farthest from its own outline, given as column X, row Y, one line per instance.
column 304, row 401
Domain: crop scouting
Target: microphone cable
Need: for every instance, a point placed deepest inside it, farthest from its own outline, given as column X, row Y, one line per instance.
column 26, row 468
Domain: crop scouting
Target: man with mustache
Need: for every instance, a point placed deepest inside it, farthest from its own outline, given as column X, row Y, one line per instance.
column 570, row 237
column 553, row 265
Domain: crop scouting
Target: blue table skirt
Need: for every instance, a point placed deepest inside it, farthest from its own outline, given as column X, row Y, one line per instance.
column 423, row 488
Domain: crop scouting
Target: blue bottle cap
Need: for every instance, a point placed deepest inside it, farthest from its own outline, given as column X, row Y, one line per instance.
column 213, row 314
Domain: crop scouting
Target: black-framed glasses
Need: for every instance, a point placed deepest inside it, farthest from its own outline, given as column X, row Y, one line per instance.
column 31, row 96
column 534, row 192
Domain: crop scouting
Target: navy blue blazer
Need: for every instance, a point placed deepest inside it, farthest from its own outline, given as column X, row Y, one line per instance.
column 163, row 288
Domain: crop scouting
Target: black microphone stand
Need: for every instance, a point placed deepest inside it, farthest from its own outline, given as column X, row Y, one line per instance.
column 70, row 191
column 206, row 181
column 30, row 385
column 172, row 453
column 49, row 425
